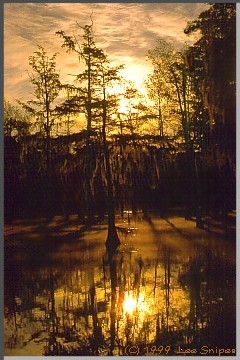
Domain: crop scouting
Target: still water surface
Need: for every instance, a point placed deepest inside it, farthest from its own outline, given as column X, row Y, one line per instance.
column 164, row 291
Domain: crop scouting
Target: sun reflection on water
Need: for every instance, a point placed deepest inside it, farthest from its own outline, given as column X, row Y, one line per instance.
column 133, row 303
column 133, row 300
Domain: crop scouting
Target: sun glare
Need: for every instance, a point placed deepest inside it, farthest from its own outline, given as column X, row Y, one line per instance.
column 132, row 303
column 129, row 304
column 136, row 73
column 123, row 106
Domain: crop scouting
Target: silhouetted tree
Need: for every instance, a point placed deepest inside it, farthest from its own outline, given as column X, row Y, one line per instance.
column 217, row 27
column 85, row 97
column 108, row 75
column 175, row 77
column 213, row 59
column 45, row 80
column 161, row 89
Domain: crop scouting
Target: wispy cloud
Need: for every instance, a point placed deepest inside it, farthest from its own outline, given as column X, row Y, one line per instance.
column 126, row 31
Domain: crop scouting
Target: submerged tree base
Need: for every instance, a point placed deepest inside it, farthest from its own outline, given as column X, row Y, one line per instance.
column 113, row 241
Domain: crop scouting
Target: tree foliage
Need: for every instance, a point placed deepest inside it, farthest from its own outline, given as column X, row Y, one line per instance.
column 17, row 122
column 45, row 80
column 217, row 27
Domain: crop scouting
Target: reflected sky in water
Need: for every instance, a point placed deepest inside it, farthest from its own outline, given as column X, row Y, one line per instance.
column 162, row 291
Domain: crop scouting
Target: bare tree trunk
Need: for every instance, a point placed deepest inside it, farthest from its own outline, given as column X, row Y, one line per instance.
column 112, row 241
column 160, row 119
column 192, row 206
column 89, row 195
column 48, row 154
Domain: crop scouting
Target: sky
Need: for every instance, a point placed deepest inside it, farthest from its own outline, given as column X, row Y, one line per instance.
column 125, row 31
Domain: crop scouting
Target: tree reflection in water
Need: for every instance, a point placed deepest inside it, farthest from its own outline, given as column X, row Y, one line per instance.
column 79, row 307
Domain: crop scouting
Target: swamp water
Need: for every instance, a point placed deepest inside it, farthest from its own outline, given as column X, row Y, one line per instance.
column 170, row 288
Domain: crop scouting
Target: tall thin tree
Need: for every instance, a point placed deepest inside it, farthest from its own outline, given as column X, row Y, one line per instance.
column 85, row 98
column 45, row 80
